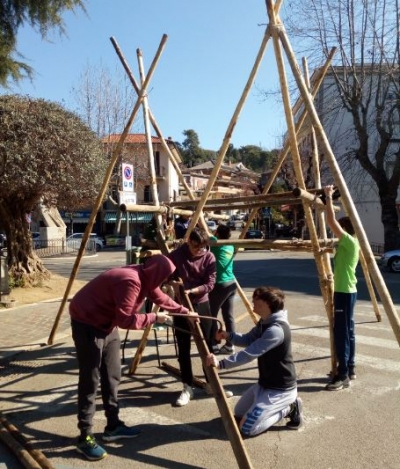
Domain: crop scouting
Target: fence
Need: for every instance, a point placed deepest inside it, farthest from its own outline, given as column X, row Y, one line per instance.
column 62, row 247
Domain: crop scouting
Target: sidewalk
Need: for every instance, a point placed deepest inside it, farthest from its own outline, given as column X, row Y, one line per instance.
column 28, row 327
column 351, row 429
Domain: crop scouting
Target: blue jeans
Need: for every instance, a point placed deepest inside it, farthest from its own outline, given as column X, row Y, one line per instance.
column 343, row 331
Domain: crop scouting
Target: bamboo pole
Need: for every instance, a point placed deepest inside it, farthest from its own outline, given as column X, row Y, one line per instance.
column 344, row 192
column 231, row 127
column 286, row 147
column 152, row 119
column 22, row 453
column 200, row 383
column 153, row 180
column 115, row 155
column 36, row 454
column 276, row 26
column 142, row 345
column 228, row 419
column 327, row 280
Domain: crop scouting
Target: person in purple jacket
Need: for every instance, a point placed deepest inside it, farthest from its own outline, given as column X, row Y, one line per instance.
column 110, row 301
column 196, row 268
column 274, row 396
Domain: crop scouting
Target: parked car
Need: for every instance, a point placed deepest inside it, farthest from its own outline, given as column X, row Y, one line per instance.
column 235, row 224
column 254, row 234
column 390, row 260
column 212, row 225
column 74, row 241
column 115, row 240
column 284, row 230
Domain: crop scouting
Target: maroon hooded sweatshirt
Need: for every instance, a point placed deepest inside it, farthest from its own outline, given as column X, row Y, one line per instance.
column 115, row 297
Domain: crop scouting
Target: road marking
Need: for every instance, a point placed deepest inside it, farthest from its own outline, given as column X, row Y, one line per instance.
column 362, row 360
column 360, row 339
column 371, row 325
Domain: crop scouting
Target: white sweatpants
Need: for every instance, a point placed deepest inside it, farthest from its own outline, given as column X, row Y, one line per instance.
column 263, row 408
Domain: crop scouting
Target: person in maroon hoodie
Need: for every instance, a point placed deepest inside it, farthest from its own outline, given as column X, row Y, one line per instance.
column 196, row 269
column 110, row 301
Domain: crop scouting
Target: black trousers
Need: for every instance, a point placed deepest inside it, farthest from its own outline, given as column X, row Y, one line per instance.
column 183, row 340
column 99, row 362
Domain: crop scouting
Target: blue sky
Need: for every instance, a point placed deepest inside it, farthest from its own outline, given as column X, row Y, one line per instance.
column 211, row 48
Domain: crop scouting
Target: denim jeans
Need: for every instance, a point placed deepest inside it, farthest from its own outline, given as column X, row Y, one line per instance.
column 343, row 330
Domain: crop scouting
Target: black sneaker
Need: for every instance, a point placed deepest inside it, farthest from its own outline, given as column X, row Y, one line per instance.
column 352, row 372
column 338, row 383
column 295, row 415
column 120, row 432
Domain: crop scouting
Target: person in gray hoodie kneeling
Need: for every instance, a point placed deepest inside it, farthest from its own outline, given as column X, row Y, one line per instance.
column 274, row 396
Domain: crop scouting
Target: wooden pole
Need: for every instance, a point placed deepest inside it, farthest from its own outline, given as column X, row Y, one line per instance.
column 231, row 127
column 115, row 155
column 327, row 279
column 228, row 419
column 286, row 147
column 275, row 27
column 344, row 192
column 142, row 345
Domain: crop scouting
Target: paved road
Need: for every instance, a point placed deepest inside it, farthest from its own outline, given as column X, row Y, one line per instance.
column 357, row 428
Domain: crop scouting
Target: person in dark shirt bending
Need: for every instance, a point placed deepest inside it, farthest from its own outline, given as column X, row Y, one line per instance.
column 274, row 396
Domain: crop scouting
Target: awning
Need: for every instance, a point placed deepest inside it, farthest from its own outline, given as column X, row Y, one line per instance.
column 134, row 217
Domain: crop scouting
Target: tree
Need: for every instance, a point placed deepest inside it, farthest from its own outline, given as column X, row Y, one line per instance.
column 104, row 98
column 39, row 14
column 192, row 153
column 46, row 154
column 365, row 88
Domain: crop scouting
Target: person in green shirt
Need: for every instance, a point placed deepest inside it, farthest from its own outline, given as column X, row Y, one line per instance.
column 223, row 293
column 344, row 296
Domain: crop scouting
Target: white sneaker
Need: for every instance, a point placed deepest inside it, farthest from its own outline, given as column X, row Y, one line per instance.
column 185, row 396
column 209, row 391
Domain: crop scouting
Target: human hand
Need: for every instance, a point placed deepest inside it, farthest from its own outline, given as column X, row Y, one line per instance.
column 328, row 190
column 212, row 360
column 220, row 334
column 193, row 316
column 161, row 318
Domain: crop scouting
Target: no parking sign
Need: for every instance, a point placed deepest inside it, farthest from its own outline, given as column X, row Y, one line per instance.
column 127, row 177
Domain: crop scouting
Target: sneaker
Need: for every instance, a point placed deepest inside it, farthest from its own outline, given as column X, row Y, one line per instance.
column 295, row 415
column 120, row 432
column 215, row 349
column 209, row 391
column 352, row 372
column 337, row 384
column 90, row 449
column 227, row 349
column 185, row 396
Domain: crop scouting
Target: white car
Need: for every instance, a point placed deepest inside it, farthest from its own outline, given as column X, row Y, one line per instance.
column 212, row 225
column 74, row 241
column 390, row 260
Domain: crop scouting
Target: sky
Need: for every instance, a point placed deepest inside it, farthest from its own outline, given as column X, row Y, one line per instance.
column 211, row 48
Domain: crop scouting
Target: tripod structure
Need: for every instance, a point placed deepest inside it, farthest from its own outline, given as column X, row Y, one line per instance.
column 302, row 122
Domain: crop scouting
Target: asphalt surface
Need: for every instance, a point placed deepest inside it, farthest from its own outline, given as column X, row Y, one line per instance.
column 354, row 428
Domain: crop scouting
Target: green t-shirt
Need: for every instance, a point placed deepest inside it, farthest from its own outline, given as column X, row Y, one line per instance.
column 345, row 263
column 224, row 257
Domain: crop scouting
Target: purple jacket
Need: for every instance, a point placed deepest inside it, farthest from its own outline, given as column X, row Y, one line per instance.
column 198, row 271
column 115, row 297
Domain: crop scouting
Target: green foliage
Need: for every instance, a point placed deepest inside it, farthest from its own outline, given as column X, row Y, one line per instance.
column 47, row 152
column 252, row 156
column 39, row 14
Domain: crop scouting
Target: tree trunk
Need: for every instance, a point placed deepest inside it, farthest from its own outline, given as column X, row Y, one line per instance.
column 25, row 268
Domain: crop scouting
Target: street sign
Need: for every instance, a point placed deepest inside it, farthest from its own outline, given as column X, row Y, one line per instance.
column 127, row 197
column 127, row 177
